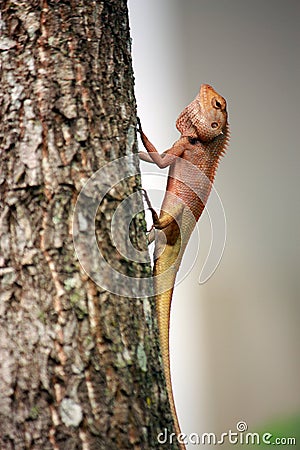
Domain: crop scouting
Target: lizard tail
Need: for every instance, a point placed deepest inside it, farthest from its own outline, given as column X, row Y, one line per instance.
column 163, row 309
column 163, row 305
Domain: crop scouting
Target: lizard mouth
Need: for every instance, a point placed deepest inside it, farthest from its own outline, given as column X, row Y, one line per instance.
column 210, row 98
column 205, row 89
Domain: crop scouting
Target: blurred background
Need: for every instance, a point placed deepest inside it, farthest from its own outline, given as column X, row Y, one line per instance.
column 235, row 339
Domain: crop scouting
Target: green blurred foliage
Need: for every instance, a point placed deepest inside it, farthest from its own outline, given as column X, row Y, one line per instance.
column 281, row 428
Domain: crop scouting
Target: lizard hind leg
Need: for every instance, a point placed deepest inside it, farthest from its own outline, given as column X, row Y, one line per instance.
column 151, row 209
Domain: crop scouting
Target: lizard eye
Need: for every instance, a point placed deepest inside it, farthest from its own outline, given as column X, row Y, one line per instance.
column 216, row 104
column 214, row 125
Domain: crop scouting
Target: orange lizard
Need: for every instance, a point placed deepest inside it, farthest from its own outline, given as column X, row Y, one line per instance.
column 192, row 162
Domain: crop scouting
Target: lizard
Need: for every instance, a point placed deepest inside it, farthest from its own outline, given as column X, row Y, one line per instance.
column 192, row 162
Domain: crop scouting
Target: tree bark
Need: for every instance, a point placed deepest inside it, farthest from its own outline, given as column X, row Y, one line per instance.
column 79, row 365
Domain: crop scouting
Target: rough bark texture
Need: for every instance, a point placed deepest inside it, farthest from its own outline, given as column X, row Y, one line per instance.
column 79, row 367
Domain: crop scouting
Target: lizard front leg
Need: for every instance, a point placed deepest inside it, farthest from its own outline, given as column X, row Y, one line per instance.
column 167, row 157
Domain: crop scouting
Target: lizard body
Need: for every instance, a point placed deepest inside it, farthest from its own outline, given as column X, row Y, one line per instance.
column 192, row 162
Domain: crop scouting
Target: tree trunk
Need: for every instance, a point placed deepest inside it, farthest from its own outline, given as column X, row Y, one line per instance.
column 79, row 365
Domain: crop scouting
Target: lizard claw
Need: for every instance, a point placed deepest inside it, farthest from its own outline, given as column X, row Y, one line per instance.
column 139, row 126
column 153, row 212
column 146, row 198
column 151, row 236
column 151, row 229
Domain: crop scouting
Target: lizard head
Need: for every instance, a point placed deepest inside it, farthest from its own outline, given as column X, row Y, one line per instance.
column 205, row 117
